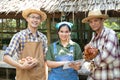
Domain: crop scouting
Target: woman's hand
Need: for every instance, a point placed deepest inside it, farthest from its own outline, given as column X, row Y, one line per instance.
column 55, row 64
column 75, row 65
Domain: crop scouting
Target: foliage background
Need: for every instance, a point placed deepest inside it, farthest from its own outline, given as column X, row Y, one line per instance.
column 113, row 23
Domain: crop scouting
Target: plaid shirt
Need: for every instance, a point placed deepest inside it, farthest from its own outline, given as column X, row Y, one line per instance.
column 108, row 60
column 17, row 42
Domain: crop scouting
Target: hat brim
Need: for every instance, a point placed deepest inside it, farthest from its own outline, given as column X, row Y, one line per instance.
column 26, row 12
column 85, row 20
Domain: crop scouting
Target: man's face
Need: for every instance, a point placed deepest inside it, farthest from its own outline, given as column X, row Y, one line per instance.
column 96, row 24
column 33, row 20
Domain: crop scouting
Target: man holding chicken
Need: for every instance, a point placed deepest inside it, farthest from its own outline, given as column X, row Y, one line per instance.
column 103, row 49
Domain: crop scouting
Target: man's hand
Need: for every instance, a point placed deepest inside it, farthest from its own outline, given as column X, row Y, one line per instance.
column 28, row 62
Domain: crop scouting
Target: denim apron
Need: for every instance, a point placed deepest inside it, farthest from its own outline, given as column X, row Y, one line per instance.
column 60, row 74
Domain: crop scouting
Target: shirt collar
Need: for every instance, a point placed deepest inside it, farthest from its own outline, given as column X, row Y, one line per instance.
column 100, row 35
column 30, row 33
column 69, row 44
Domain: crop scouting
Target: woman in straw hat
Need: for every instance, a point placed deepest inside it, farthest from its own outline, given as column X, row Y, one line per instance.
column 30, row 45
column 61, row 52
column 103, row 48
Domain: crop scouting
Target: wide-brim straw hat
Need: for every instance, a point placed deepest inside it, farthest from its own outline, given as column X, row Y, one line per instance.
column 27, row 12
column 94, row 14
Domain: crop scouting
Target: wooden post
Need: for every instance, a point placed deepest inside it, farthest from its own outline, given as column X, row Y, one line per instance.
column 48, row 30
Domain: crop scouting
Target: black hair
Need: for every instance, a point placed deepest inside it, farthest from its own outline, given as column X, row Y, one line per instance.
column 64, row 25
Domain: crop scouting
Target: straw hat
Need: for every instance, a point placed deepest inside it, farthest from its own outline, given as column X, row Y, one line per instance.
column 26, row 12
column 94, row 14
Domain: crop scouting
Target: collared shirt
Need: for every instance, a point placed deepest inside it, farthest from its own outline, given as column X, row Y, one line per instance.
column 108, row 60
column 18, row 40
column 64, row 50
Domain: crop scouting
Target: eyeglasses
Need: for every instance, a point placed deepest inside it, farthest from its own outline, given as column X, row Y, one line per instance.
column 33, row 17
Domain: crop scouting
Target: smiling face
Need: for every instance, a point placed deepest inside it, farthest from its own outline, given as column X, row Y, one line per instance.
column 64, row 33
column 96, row 24
column 33, row 20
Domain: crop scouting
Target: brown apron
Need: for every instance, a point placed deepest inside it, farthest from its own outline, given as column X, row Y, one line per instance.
column 35, row 50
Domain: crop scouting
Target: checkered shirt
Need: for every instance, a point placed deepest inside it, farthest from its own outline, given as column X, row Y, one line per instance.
column 108, row 60
column 18, row 40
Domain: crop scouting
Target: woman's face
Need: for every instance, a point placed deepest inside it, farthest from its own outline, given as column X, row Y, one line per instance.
column 64, row 33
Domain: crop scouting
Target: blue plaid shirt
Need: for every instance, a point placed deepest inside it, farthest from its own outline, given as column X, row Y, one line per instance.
column 18, row 40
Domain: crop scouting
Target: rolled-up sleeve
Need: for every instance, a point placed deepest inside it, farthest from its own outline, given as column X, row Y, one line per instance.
column 13, row 46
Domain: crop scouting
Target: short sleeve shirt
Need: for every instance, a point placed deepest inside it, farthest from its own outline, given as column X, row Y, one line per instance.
column 64, row 50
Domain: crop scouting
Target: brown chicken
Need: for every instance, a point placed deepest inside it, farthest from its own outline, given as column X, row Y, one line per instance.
column 90, row 53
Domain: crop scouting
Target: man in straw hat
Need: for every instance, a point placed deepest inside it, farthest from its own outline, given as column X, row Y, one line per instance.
column 30, row 46
column 103, row 49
